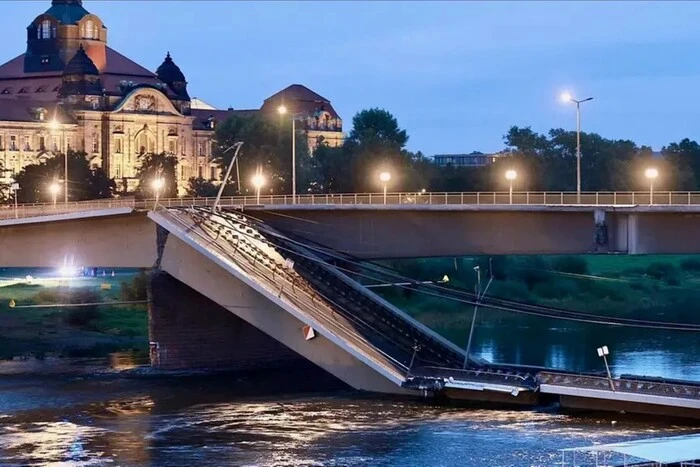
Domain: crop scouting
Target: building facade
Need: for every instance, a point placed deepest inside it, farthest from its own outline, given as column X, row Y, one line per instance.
column 475, row 159
column 70, row 90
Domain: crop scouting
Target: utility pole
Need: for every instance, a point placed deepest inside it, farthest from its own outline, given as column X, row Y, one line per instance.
column 479, row 297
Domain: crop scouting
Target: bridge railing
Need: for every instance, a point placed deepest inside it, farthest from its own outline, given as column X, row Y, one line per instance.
column 528, row 198
column 638, row 386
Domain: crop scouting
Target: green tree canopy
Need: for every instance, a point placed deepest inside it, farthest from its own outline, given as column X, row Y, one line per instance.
column 84, row 182
column 154, row 166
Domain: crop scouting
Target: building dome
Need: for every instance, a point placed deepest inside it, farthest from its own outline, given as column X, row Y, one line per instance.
column 81, row 64
column 67, row 11
column 168, row 72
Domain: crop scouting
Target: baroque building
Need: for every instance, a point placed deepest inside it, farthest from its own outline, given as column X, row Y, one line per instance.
column 70, row 90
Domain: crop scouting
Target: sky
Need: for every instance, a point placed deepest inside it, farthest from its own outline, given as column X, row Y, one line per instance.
column 455, row 74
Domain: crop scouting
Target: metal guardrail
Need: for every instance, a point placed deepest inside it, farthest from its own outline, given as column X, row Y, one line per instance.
column 637, row 386
column 528, row 198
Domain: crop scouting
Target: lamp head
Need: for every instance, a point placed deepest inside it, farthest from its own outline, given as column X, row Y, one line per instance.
column 54, row 188
column 511, row 175
column 385, row 176
column 158, row 183
column 282, row 109
column 258, row 180
column 651, row 173
column 566, row 96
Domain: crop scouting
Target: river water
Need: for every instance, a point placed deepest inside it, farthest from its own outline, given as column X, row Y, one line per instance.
column 79, row 417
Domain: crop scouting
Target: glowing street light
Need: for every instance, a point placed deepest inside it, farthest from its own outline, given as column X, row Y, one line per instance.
column 510, row 176
column 651, row 173
column 54, row 125
column 567, row 97
column 258, row 182
column 283, row 111
column 157, row 184
column 384, row 177
column 54, row 189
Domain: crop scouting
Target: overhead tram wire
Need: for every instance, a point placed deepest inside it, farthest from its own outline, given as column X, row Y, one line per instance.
column 471, row 299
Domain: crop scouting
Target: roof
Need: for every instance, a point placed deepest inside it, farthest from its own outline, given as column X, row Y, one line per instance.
column 661, row 450
column 202, row 115
column 199, row 104
column 299, row 100
column 67, row 11
column 24, row 110
column 117, row 69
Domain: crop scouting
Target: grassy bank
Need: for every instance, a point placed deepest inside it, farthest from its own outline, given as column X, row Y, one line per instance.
column 664, row 288
column 38, row 324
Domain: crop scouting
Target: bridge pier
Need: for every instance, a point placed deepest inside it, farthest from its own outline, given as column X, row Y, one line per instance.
column 188, row 331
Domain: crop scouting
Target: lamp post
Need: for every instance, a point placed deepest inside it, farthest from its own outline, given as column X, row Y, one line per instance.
column 15, row 188
column 651, row 173
column 157, row 184
column 54, row 188
column 258, row 182
column 510, row 176
column 566, row 97
column 604, row 352
column 55, row 125
column 283, row 110
column 384, row 177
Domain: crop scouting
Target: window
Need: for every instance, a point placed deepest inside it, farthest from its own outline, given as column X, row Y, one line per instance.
column 172, row 146
column 2, row 148
column 118, row 145
column 182, row 172
column 44, row 31
column 95, row 144
column 27, row 146
column 42, row 143
column 54, row 144
column 68, row 143
column 212, row 173
column 24, row 90
column 200, row 149
column 90, row 30
column 44, row 61
column 117, row 171
column 200, row 172
column 144, row 143
column 6, row 90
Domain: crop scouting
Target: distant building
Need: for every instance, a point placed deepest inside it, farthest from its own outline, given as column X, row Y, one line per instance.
column 69, row 90
column 475, row 159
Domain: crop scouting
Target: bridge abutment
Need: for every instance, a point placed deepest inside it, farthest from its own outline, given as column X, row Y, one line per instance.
column 188, row 331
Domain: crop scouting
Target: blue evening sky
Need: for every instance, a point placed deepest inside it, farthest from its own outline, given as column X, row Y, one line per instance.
column 455, row 74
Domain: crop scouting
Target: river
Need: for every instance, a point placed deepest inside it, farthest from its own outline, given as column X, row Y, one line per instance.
column 86, row 414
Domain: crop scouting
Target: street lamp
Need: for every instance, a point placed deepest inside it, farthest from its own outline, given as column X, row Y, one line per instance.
column 282, row 111
column 55, row 126
column 54, row 188
column 651, row 173
column 604, row 352
column 567, row 97
column 384, row 177
column 258, row 182
column 15, row 188
column 157, row 184
column 510, row 176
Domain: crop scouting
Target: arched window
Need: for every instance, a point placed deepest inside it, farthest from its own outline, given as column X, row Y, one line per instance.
column 44, row 30
column 90, row 30
column 144, row 143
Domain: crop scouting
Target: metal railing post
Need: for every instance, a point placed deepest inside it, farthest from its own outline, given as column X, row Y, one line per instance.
column 445, row 198
column 430, row 198
column 462, row 198
column 478, row 200
column 597, row 202
column 561, row 197
column 633, row 197
column 688, row 198
column 355, row 198
column 669, row 198
column 614, row 197
column 494, row 197
column 527, row 197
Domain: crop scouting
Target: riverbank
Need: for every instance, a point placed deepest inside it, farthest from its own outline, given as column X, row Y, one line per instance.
column 38, row 321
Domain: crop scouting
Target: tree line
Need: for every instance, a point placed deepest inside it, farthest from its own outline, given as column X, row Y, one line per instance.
column 376, row 143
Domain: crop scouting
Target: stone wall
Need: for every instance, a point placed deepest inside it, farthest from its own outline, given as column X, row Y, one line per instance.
column 189, row 331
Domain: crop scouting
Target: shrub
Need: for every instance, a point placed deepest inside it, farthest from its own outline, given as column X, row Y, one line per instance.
column 136, row 289
column 81, row 317
column 571, row 264
column 691, row 264
column 661, row 270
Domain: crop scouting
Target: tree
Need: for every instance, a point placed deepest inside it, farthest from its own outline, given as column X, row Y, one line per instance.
column 201, row 188
column 154, row 166
column 377, row 127
column 84, row 182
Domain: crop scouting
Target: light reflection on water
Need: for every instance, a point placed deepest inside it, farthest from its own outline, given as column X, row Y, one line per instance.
column 175, row 424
